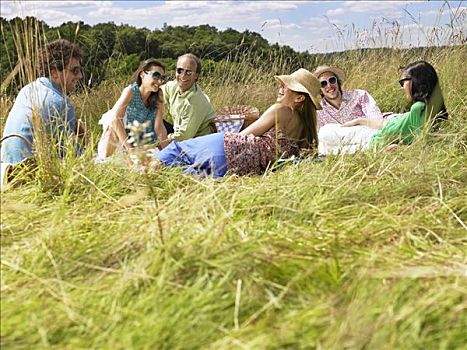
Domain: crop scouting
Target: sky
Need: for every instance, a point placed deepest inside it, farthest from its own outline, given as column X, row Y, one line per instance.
column 313, row 26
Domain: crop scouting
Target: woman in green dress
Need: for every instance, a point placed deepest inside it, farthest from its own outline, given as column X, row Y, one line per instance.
column 420, row 84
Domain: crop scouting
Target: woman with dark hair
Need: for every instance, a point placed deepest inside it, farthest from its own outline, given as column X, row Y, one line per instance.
column 140, row 102
column 421, row 87
column 284, row 128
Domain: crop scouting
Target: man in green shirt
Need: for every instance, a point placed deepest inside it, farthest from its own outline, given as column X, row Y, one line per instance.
column 189, row 110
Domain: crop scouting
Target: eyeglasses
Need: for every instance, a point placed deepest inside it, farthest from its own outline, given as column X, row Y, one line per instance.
column 402, row 81
column 156, row 75
column 75, row 70
column 331, row 80
column 188, row 72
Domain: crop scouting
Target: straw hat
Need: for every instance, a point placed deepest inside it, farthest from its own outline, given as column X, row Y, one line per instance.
column 339, row 73
column 303, row 81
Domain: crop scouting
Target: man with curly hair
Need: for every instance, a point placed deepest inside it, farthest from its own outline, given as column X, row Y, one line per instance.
column 42, row 107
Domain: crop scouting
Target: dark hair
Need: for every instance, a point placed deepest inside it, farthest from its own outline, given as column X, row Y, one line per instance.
column 339, row 84
column 57, row 55
column 136, row 78
column 307, row 114
column 195, row 59
column 424, row 79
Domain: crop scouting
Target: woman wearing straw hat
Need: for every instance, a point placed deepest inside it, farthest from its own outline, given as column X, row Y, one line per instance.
column 340, row 106
column 284, row 128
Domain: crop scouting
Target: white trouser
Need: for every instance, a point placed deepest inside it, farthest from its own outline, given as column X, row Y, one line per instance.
column 108, row 142
column 335, row 138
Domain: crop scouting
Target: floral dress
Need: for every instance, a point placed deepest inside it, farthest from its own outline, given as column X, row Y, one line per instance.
column 249, row 154
column 215, row 154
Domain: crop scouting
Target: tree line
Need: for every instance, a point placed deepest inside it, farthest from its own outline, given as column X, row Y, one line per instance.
column 110, row 49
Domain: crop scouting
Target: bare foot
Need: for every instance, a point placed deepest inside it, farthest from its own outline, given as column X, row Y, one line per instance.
column 154, row 165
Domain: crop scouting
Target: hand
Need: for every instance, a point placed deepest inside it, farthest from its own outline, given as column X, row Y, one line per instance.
column 305, row 152
column 355, row 122
column 163, row 144
column 391, row 148
column 127, row 146
column 81, row 131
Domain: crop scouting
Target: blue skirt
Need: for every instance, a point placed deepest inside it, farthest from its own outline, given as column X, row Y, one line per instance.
column 202, row 155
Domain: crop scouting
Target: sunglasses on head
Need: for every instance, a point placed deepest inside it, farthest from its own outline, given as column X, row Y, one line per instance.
column 155, row 75
column 331, row 80
column 402, row 81
column 188, row 72
column 75, row 70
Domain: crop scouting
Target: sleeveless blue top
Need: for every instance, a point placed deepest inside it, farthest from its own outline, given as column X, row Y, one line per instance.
column 136, row 110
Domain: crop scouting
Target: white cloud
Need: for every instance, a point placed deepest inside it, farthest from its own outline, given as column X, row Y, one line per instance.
column 276, row 23
column 218, row 13
column 20, row 7
column 52, row 12
column 458, row 14
column 52, row 15
column 6, row 11
column 381, row 7
column 55, row 18
column 320, row 22
column 194, row 10
column 314, row 34
column 285, row 22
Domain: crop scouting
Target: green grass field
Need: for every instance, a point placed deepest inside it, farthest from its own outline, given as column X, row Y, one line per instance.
column 353, row 252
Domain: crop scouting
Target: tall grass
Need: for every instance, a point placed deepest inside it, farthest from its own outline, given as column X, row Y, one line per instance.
column 357, row 252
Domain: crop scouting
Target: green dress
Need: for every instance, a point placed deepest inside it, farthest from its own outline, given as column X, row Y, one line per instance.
column 404, row 128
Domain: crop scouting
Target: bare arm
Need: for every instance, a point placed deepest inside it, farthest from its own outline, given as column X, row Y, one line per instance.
column 371, row 123
column 264, row 123
column 81, row 131
column 159, row 127
column 117, row 122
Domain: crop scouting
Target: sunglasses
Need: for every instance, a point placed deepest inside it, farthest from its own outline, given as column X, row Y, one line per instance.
column 402, row 81
column 75, row 70
column 324, row 83
column 156, row 75
column 188, row 72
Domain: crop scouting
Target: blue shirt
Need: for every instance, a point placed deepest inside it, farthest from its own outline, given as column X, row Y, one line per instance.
column 137, row 110
column 54, row 108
